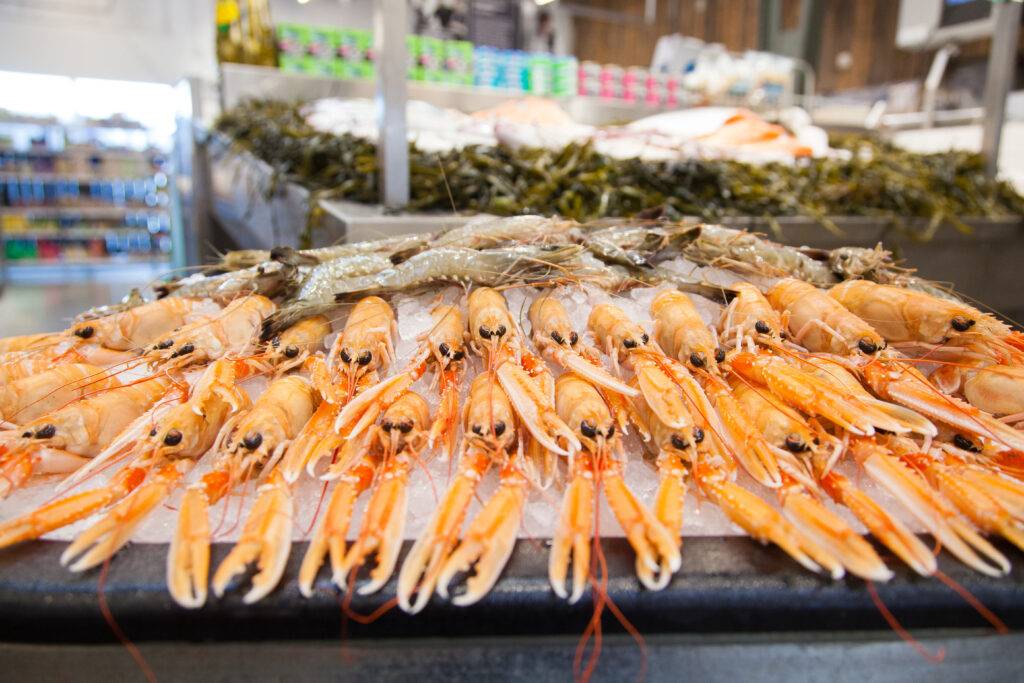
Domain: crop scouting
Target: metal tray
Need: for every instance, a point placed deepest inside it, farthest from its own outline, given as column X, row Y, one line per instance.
column 726, row 585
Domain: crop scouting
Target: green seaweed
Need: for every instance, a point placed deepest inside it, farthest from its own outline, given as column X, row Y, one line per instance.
column 872, row 178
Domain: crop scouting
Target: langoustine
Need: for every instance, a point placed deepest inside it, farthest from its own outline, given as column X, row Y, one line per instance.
column 759, row 395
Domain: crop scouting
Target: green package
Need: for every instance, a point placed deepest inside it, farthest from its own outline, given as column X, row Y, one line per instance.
column 563, row 75
column 431, row 57
column 323, row 42
column 364, row 70
column 416, row 71
column 343, row 69
column 539, row 70
column 291, row 39
column 294, row 64
column 318, row 67
column 458, row 62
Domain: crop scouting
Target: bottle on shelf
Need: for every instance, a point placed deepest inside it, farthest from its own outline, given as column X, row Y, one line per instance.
column 260, row 46
column 245, row 36
column 229, row 31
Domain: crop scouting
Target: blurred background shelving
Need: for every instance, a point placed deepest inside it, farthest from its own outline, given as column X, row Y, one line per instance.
column 75, row 194
column 85, row 179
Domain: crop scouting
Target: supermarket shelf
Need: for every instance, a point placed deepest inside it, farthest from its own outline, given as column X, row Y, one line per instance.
column 79, row 177
column 90, row 211
column 88, row 261
column 108, row 154
column 243, row 81
column 74, row 125
column 74, row 233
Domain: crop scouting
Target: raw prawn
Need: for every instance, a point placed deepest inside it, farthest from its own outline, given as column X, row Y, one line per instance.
column 383, row 462
column 819, row 323
column 490, row 436
column 29, row 398
column 554, row 336
column 231, row 333
column 156, row 462
column 249, row 445
column 65, row 439
column 597, row 465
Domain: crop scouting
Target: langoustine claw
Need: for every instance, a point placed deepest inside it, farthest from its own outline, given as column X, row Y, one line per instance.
column 383, row 462
column 249, row 445
column 491, row 434
column 657, row 553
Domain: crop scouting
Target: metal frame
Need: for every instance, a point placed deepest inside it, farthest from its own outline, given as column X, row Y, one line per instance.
column 390, row 22
column 934, row 79
column 1006, row 17
column 998, row 79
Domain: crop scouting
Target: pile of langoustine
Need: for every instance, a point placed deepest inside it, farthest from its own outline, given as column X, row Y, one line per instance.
column 823, row 365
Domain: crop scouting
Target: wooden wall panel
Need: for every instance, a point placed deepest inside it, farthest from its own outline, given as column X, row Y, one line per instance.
column 732, row 22
column 867, row 30
column 864, row 28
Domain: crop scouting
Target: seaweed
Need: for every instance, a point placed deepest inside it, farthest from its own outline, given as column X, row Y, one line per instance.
column 869, row 178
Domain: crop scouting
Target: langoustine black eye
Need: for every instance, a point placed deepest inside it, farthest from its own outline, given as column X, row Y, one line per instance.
column 444, row 349
column 588, row 429
column 252, row 441
column 795, row 444
column 559, row 339
column 291, row 351
column 962, row 324
column 867, row 346
column 364, row 358
column 963, row 443
column 85, row 332
column 46, row 431
column 173, row 437
column 697, row 359
column 679, row 442
column 345, row 356
column 183, row 350
column 762, row 327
